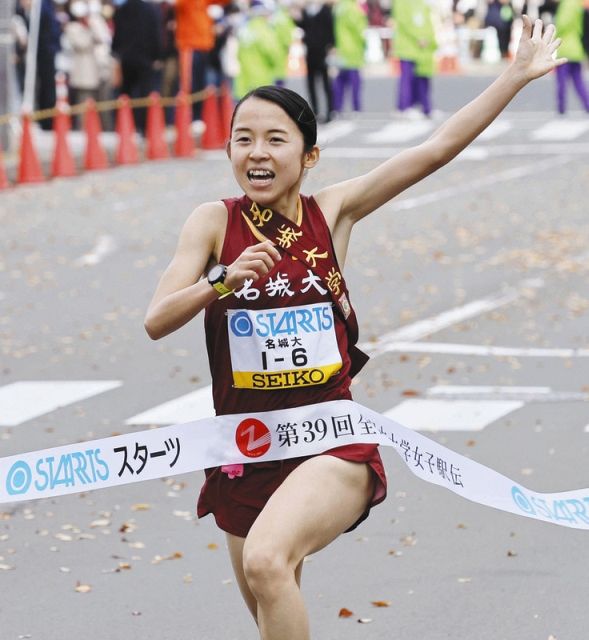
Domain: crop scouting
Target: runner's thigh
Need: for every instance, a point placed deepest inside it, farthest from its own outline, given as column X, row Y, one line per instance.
column 320, row 499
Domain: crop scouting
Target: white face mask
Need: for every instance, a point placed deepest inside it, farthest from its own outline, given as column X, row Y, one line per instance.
column 313, row 8
column 79, row 9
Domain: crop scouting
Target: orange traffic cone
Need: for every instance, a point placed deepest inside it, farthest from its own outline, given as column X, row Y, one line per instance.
column 127, row 152
column 212, row 137
column 95, row 155
column 29, row 169
column 63, row 161
column 4, row 184
column 157, row 149
column 184, row 146
column 227, row 106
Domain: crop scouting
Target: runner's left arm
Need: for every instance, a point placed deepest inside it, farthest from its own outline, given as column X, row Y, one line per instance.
column 347, row 202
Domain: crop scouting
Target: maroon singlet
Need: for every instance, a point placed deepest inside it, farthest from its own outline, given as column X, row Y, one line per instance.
column 237, row 502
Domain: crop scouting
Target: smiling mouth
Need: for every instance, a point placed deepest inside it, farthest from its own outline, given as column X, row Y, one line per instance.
column 260, row 176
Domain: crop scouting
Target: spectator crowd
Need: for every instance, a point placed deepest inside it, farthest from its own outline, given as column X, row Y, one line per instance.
column 105, row 48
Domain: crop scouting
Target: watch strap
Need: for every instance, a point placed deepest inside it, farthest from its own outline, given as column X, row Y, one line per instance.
column 222, row 289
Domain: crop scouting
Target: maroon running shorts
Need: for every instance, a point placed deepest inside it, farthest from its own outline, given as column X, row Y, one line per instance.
column 236, row 502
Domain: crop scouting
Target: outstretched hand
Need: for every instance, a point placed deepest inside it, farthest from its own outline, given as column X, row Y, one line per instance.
column 535, row 53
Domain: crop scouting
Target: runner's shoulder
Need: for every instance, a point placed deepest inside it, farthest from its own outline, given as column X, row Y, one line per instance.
column 208, row 219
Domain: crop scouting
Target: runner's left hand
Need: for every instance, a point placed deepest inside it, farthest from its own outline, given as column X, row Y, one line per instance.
column 535, row 53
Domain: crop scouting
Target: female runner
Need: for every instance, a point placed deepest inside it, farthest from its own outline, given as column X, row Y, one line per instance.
column 276, row 513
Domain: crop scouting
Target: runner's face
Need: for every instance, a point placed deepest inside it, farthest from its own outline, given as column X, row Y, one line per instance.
column 267, row 153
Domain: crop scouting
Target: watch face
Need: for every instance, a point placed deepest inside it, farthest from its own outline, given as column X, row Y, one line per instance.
column 216, row 274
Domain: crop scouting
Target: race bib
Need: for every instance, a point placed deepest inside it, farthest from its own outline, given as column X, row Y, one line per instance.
column 283, row 348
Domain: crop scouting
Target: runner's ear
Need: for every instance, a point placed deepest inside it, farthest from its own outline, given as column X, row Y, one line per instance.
column 228, row 149
column 311, row 157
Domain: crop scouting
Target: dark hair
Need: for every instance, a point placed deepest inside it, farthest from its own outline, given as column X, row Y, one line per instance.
column 294, row 105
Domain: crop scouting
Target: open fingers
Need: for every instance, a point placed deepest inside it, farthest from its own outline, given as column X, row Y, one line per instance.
column 537, row 30
column 549, row 33
column 527, row 29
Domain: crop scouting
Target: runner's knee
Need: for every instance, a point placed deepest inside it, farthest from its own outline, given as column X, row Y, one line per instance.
column 265, row 569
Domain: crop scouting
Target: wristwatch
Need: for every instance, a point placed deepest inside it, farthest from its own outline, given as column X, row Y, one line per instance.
column 216, row 278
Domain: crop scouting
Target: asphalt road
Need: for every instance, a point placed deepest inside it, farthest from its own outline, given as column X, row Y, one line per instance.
column 505, row 222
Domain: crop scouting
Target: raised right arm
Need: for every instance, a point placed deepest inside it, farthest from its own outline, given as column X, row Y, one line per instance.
column 181, row 294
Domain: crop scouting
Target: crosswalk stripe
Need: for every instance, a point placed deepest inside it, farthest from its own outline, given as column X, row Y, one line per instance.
column 22, row 401
column 192, row 406
column 451, row 415
column 560, row 130
column 428, row 326
column 334, row 130
column 399, row 132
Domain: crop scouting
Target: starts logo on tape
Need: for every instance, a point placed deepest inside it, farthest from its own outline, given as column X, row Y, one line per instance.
column 69, row 470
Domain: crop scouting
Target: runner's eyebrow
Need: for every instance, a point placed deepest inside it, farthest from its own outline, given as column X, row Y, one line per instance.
column 245, row 129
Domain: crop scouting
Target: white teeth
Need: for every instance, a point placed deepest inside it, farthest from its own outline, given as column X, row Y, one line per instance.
column 260, row 173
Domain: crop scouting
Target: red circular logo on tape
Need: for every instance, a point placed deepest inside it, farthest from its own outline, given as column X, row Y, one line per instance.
column 252, row 437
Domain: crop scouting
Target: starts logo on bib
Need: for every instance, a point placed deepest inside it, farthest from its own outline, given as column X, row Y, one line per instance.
column 253, row 438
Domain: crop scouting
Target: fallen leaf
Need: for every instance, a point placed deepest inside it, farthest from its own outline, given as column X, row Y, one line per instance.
column 345, row 613
column 511, row 554
column 83, row 588
column 101, row 522
column 364, row 620
column 141, row 506
column 409, row 393
column 464, row 580
column 212, row 546
column 64, row 537
column 381, row 603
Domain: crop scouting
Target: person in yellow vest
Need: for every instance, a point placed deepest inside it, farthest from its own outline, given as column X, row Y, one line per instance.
column 415, row 46
column 569, row 23
column 258, row 44
column 350, row 23
column 284, row 27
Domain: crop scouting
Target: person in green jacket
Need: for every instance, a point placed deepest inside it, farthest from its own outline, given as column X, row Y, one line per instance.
column 284, row 28
column 350, row 23
column 415, row 46
column 569, row 24
column 257, row 50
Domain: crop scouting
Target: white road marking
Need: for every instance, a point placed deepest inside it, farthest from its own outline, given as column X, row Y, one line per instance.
column 452, row 390
column 476, row 152
column 495, row 129
column 22, row 401
column 104, row 245
column 484, row 350
column 560, row 130
column 423, row 328
column 450, row 415
column 524, row 394
column 399, row 131
column 334, row 130
column 192, row 406
column 489, row 180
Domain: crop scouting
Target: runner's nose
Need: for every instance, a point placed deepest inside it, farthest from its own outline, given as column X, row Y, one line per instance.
column 259, row 150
